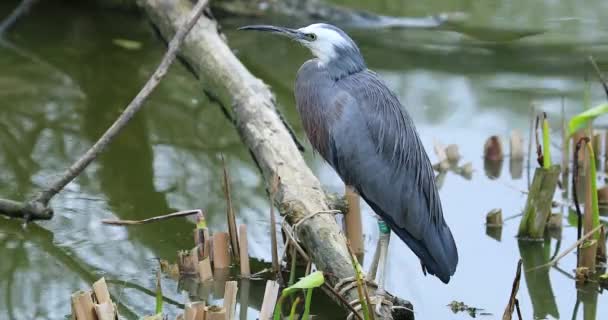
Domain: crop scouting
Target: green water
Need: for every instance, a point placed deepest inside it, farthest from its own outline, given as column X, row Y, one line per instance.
column 63, row 81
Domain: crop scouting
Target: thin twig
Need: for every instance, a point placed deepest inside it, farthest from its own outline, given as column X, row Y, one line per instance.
column 20, row 10
column 153, row 219
column 75, row 169
column 292, row 240
column 273, row 230
column 563, row 254
column 512, row 298
column 599, row 74
column 234, row 238
column 517, row 309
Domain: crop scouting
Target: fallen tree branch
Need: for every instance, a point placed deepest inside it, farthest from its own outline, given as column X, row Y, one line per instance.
column 153, row 219
column 37, row 208
column 299, row 193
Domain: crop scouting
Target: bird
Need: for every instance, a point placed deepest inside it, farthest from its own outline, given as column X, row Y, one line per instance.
column 358, row 125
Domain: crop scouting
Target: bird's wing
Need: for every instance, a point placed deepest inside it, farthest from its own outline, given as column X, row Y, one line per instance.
column 374, row 147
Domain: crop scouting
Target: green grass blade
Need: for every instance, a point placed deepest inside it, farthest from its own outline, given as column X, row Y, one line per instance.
column 159, row 294
column 594, row 199
column 582, row 119
column 292, row 313
column 546, row 145
column 306, row 313
column 279, row 306
column 358, row 272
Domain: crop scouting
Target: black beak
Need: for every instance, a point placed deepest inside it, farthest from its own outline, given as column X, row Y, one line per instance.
column 290, row 33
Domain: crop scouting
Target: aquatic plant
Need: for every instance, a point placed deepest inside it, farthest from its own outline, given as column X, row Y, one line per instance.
column 308, row 283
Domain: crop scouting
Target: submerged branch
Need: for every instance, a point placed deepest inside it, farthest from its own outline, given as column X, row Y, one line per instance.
column 153, row 219
column 38, row 208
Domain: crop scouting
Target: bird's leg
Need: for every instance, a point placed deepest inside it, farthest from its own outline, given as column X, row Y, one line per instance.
column 373, row 267
column 383, row 241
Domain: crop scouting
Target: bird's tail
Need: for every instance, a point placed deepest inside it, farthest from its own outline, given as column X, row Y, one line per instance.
column 436, row 250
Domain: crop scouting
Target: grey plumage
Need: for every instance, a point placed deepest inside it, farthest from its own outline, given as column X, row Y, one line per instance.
column 361, row 129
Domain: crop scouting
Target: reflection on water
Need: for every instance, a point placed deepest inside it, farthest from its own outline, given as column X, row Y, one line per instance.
column 534, row 254
column 67, row 81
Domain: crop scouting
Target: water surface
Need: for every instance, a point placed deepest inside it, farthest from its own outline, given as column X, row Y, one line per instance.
column 63, row 80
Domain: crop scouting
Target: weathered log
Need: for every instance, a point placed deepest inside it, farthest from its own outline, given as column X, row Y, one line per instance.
column 299, row 193
column 538, row 204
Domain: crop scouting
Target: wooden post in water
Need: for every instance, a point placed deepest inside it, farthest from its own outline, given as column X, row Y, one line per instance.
column 538, row 204
column 221, row 256
column 588, row 248
column 352, row 221
column 270, row 299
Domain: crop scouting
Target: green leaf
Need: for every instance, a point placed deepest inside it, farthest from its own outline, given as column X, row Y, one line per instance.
column 582, row 119
column 159, row 294
column 127, row 44
column 313, row 280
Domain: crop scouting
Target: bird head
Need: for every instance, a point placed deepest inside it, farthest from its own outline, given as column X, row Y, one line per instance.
column 328, row 43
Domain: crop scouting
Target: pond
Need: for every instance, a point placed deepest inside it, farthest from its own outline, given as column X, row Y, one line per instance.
column 64, row 78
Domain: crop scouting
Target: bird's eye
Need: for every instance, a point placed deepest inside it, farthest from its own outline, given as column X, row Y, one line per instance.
column 312, row 36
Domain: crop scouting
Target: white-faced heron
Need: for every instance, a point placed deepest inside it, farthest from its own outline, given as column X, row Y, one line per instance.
column 359, row 126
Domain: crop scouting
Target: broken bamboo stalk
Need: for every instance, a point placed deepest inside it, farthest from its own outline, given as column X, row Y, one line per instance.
column 230, row 291
column 538, row 204
column 186, row 262
column 82, row 306
column 494, row 218
column 271, row 294
column 104, row 308
column 299, row 193
column 204, row 270
column 352, row 221
column 221, row 254
column 153, row 219
column 588, row 250
column 194, row 311
column 244, row 251
column 216, row 313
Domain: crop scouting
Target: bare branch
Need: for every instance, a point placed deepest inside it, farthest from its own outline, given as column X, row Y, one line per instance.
column 41, row 200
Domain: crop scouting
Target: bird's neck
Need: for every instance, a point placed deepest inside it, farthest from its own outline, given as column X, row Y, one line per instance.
column 344, row 64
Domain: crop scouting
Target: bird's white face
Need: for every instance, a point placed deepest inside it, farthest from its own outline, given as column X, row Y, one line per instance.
column 323, row 41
